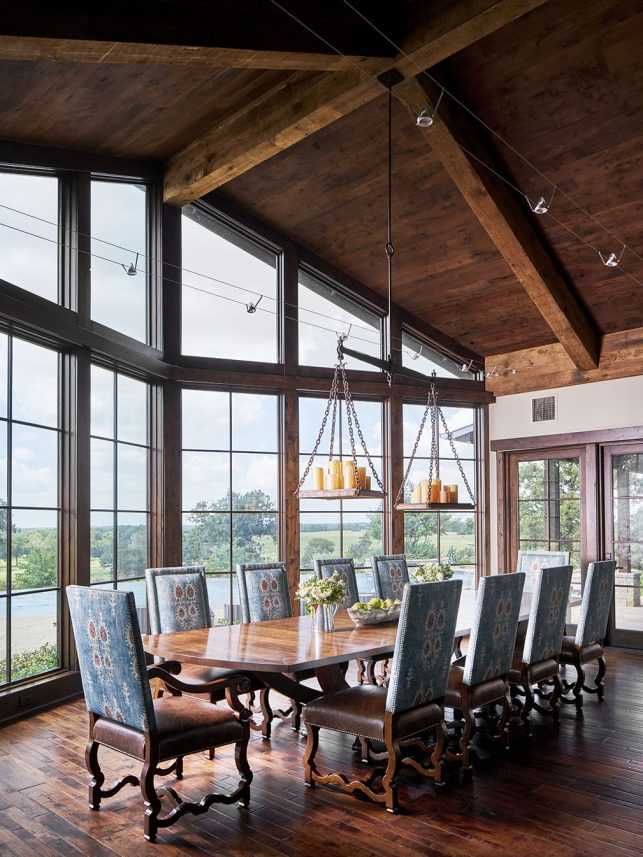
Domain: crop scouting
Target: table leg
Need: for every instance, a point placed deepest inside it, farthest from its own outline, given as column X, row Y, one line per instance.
column 332, row 678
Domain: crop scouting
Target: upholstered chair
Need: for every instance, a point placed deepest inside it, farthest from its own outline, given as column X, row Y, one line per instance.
column 480, row 678
column 264, row 595
column 536, row 659
column 401, row 714
column 123, row 716
column 345, row 568
column 390, row 574
column 591, row 631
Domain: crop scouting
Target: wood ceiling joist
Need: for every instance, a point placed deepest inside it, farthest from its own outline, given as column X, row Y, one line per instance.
column 96, row 52
column 508, row 222
column 224, row 152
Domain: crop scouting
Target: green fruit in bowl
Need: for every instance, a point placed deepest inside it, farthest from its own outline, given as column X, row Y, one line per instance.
column 375, row 603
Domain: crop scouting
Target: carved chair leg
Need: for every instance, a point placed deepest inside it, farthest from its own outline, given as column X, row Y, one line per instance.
column 465, row 740
column 266, row 711
column 578, row 691
column 598, row 681
column 504, row 726
column 439, row 750
column 528, row 704
column 554, row 702
column 151, row 801
column 98, row 778
column 389, row 780
column 361, row 671
column 241, row 761
column 297, row 708
column 312, row 745
column 364, row 749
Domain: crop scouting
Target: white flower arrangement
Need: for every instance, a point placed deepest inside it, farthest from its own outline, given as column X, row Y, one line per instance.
column 322, row 593
column 431, row 572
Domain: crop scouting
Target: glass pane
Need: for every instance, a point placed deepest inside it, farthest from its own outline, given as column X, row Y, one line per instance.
column 457, row 538
column 369, row 415
column 34, row 549
column 3, row 550
column 365, row 584
column 628, row 604
column 219, row 588
column 232, row 272
column 35, row 402
column 362, row 536
column 101, row 474
column 118, row 217
column 140, row 597
column 532, row 519
column 101, row 550
column 206, row 541
column 421, row 535
column 254, row 423
column 569, row 519
column 254, row 538
column 422, row 358
column 206, row 419
column 460, row 422
column 25, row 260
column 206, row 480
column 628, row 519
column 629, row 557
column 324, row 312
column 132, row 410
column 4, row 487
column 531, row 480
column 4, row 346
column 132, row 477
column 131, row 544
column 102, row 402
column 255, row 481
column 34, row 634
column 569, row 477
column 3, row 641
column 34, row 466
column 320, row 536
column 311, row 412
column 627, row 475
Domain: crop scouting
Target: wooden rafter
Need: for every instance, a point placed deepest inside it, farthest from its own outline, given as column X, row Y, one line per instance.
column 507, row 221
column 303, row 107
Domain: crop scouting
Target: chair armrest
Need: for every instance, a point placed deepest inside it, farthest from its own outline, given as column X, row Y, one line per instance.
column 233, row 685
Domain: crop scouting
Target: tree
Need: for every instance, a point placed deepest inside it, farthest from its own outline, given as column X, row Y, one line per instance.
column 317, row 547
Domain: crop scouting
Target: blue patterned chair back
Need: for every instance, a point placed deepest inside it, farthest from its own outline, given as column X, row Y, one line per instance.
column 263, row 590
column 345, row 568
column 177, row 599
column 597, row 601
column 111, row 657
column 547, row 616
column 495, row 624
column 424, row 644
column 390, row 574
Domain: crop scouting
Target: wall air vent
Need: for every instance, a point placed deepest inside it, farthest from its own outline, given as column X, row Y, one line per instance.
column 543, row 409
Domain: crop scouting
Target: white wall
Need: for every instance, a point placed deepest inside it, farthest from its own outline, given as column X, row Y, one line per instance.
column 586, row 407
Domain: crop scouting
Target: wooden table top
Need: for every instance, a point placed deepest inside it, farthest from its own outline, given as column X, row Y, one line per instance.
column 291, row 645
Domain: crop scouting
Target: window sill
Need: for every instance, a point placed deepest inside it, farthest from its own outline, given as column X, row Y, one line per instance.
column 43, row 692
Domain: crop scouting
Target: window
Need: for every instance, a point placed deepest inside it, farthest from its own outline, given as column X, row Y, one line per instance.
column 448, row 537
column 229, row 292
column 119, row 257
column 29, row 510
column 421, row 357
column 119, row 495
column 29, row 205
column 350, row 528
column 323, row 313
column 230, row 488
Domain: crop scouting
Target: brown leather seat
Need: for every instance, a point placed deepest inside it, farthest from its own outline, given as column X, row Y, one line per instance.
column 537, row 672
column 481, row 694
column 193, row 674
column 185, row 725
column 571, row 652
column 360, row 711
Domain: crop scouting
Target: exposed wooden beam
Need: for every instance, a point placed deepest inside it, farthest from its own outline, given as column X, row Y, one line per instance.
column 95, row 52
column 303, row 107
column 548, row 366
column 507, row 221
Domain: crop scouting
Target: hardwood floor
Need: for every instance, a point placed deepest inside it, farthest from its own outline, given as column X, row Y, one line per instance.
column 578, row 793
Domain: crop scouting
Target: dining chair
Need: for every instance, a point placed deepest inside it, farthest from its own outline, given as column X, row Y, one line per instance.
column 177, row 600
column 588, row 643
column 537, row 656
column 398, row 715
column 480, row 677
column 390, row 574
column 124, row 717
column 264, row 595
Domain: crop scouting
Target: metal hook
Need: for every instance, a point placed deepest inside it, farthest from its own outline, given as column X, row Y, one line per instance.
column 612, row 260
column 542, row 206
column 252, row 307
column 426, row 117
column 132, row 269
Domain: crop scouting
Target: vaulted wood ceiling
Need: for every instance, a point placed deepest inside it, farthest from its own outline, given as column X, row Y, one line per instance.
column 563, row 82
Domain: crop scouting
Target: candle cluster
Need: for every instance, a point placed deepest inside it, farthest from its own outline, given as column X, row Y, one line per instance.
column 434, row 492
column 340, row 474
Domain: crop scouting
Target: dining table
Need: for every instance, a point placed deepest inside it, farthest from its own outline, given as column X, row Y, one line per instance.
column 274, row 651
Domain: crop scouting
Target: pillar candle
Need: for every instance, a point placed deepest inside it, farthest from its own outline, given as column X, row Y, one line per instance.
column 318, row 478
column 444, row 495
column 368, row 483
column 361, row 477
column 332, row 481
column 335, row 471
column 349, row 475
column 453, row 493
column 424, row 491
column 436, row 487
column 416, row 496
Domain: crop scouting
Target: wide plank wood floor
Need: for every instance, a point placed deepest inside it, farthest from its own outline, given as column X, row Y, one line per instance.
column 577, row 793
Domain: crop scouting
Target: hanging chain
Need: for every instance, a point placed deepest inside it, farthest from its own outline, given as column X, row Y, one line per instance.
column 455, row 455
column 351, row 416
column 400, row 493
column 332, row 400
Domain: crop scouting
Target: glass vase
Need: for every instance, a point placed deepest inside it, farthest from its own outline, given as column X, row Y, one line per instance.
column 330, row 611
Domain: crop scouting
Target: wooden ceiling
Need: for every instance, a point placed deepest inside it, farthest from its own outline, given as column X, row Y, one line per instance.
column 562, row 81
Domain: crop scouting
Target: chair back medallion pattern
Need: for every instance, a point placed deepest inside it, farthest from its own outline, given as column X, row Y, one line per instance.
column 183, row 603
column 548, row 612
column 264, row 591
column 345, row 569
column 424, row 644
column 390, row 574
column 597, row 601
column 111, row 657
